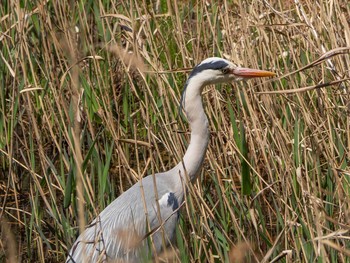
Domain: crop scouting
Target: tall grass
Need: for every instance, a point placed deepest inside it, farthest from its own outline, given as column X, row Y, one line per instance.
column 89, row 105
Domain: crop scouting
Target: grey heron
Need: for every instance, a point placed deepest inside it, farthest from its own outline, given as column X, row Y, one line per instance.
column 151, row 206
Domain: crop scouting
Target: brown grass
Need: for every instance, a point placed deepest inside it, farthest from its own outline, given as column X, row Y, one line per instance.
column 88, row 108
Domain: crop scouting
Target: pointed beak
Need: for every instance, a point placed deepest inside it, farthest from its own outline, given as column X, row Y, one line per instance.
column 251, row 73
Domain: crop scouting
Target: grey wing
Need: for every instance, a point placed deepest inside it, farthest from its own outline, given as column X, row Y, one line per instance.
column 115, row 233
column 119, row 231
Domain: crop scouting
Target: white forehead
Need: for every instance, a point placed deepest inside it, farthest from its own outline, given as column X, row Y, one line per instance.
column 214, row 60
column 215, row 63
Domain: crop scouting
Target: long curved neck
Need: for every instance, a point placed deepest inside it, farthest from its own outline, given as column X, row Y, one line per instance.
column 191, row 163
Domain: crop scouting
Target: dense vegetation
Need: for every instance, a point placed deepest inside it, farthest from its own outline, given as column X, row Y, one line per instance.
column 89, row 105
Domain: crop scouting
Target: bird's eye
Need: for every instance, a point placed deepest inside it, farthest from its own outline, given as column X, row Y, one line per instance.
column 225, row 70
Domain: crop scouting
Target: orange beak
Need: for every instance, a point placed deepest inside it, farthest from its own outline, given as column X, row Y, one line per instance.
column 252, row 73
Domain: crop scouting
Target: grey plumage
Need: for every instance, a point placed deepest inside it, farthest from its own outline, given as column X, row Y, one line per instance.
column 149, row 210
column 123, row 217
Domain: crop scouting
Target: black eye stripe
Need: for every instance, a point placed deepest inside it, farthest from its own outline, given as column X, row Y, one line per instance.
column 218, row 64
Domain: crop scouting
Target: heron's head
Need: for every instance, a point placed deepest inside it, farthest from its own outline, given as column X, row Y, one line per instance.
column 218, row 70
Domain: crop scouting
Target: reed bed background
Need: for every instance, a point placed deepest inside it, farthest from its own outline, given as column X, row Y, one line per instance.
column 89, row 105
